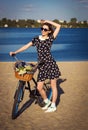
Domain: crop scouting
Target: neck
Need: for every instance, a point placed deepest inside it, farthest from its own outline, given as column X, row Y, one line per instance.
column 44, row 36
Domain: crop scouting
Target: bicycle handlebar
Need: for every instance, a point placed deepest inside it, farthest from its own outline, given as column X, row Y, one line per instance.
column 39, row 63
column 14, row 56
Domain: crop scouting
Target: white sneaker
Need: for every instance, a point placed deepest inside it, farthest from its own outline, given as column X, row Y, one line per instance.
column 46, row 105
column 50, row 109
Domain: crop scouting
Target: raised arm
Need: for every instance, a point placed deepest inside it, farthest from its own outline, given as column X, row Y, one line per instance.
column 56, row 25
column 21, row 49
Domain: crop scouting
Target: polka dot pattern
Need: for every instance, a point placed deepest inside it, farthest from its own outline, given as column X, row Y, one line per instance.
column 49, row 68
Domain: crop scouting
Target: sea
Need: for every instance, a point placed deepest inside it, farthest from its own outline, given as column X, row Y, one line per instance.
column 71, row 44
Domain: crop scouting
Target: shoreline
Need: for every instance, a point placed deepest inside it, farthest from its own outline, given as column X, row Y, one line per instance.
column 55, row 60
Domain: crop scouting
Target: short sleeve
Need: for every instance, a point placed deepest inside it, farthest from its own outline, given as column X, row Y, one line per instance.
column 51, row 37
column 35, row 41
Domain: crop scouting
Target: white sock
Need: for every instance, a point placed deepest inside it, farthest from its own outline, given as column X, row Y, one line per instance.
column 53, row 104
column 46, row 100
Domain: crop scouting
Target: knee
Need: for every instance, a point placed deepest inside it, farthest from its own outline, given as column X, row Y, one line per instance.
column 39, row 87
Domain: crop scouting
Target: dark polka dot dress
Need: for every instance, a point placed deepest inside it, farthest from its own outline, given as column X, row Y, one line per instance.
column 48, row 69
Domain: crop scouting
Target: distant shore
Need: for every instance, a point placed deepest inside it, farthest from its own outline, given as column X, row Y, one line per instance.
column 22, row 23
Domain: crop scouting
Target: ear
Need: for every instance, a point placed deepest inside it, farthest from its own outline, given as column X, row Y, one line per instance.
column 50, row 31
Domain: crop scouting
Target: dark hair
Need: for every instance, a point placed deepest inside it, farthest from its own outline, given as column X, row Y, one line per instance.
column 50, row 28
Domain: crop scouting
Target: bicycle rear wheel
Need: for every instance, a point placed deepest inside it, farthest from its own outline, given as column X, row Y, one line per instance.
column 48, row 91
column 18, row 97
column 49, row 95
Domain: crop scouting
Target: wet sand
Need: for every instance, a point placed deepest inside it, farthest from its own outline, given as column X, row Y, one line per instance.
column 72, row 103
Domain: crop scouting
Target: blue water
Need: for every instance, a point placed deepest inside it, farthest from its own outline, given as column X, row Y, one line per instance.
column 70, row 45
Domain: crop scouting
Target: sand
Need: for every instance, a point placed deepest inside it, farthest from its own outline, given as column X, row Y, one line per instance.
column 72, row 108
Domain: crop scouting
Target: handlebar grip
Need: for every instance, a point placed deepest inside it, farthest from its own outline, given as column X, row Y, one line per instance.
column 13, row 55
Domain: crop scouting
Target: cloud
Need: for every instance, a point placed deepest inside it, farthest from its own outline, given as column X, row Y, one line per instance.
column 28, row 8
column 84, row 3
column 86, row 6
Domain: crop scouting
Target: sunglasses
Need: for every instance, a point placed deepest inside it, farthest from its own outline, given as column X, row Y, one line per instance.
column 44, row 29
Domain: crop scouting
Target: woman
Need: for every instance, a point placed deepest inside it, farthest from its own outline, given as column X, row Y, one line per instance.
column 49, row 68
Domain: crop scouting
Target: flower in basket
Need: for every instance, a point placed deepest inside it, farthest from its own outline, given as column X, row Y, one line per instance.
column 22, row 67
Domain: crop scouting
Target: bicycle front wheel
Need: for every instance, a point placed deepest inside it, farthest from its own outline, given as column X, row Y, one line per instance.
column 17, row 99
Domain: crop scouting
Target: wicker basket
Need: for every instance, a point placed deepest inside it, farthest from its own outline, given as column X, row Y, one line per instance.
column 25, row 77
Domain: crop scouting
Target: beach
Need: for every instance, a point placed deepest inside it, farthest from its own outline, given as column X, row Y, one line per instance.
column 72, row 107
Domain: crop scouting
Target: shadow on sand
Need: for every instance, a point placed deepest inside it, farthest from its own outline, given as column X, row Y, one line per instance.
column 28, row 103
column 60, row 90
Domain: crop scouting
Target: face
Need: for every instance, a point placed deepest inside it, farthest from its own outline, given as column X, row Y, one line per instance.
column 45, row 30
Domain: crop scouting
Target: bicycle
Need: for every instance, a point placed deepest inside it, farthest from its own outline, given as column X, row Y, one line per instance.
column 24, row 84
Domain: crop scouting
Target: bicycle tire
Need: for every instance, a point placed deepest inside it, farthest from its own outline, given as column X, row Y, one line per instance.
column 48, row 91
column 49, row 95
column 17, row 99
column 40, row 99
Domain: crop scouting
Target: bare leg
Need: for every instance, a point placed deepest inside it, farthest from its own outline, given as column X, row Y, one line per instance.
column 41, row 90
column 54, row 90
column 52, row 108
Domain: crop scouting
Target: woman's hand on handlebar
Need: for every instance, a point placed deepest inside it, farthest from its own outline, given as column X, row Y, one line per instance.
column 12, row 53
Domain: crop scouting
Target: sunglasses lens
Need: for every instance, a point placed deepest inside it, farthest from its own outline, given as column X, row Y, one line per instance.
column 41, row 28
column 44, row 29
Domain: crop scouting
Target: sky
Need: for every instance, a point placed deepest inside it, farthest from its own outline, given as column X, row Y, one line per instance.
column 44, row 9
